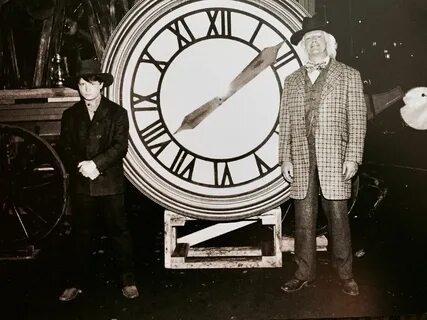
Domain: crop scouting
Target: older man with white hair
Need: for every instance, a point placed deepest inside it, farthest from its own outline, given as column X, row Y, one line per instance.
column 322, row 132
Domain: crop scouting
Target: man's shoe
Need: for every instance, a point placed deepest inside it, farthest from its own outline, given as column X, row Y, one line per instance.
column 350, row 287
column 295, row 285
column 130, row 292
column 69, row 294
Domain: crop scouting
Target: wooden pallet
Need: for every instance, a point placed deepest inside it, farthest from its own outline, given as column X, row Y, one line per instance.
column 180, row 253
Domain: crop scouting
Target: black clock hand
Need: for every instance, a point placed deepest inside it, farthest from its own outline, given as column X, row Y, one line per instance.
column 265, row 58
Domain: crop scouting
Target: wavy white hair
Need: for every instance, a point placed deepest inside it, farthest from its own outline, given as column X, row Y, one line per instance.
column 331, row 46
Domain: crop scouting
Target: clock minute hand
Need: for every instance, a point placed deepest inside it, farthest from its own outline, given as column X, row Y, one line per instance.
column 264, row 59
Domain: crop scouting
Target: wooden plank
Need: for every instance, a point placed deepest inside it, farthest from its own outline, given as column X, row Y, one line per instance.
column 30, row 118
column 287, row 244
column 226, row 262
column 214, row 231
column 243, row 251
column 13, row 94
column 36, row 107
column 170, row 238
column 47, row 129
column 14, row 115
column 63, row 99
column 7, row 101
column 33, row 112
column 223, row 260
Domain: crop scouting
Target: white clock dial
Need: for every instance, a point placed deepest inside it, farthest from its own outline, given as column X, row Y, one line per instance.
column 170, row 58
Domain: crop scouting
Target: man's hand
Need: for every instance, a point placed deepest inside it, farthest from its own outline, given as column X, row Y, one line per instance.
column 88, row 169
column 349, row 169
column 94, row 174
column 288, row 171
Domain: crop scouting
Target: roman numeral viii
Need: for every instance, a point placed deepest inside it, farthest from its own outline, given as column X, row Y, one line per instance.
column 183, row 164
column 155, row 137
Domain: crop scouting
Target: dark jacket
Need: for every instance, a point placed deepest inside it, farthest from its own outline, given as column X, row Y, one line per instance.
column 103, row 140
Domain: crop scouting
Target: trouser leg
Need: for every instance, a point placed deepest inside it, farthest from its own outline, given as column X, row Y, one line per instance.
column 340, row 237
column 305, row 229
column 119, row 236
column 83, row 223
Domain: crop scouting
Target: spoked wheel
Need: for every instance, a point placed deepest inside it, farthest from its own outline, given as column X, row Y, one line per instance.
column 33, row 188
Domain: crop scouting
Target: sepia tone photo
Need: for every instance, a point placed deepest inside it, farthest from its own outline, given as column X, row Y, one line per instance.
column 213, row 159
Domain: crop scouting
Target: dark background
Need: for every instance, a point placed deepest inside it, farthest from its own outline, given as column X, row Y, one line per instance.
column 387, row 41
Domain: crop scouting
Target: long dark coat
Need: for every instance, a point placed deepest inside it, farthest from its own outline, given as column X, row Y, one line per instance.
column 103, row 140
column 339, row 136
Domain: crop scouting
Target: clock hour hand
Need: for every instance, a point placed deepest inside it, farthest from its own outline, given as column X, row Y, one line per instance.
column 264, row 59
column 193, row 119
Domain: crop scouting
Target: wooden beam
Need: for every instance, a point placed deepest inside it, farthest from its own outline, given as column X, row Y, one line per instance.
column 13, row 57
column 58, row 26
column 112, row 12
column 56, row 35
column 213, row 232
column 13, row 94
column 43, row 53
column 95, row 32
column 102, row 19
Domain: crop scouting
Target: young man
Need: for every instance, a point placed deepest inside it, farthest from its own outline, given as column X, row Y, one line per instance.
column 94, row 141
column 322, row 131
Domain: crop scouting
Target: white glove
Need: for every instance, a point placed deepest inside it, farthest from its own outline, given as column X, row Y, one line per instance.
column 88, row 169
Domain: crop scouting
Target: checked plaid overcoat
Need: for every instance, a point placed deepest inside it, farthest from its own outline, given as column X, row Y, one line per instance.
column 339, row 134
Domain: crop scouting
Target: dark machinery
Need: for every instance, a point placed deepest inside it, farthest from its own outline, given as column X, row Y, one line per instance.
column 33, row 191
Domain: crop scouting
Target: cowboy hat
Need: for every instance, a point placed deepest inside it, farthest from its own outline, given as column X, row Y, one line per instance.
column 317, row 22
column 86, row 68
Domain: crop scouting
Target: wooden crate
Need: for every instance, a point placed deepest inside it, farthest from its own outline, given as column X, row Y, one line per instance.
column 180, row 253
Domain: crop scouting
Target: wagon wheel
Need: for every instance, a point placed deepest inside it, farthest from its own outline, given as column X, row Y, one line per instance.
column 33, row 188
column 322, row 223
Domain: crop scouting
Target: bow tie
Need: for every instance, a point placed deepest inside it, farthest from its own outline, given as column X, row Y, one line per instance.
column 310, row 66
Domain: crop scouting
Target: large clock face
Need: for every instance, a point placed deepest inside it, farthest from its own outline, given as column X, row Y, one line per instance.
column 170, row 58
